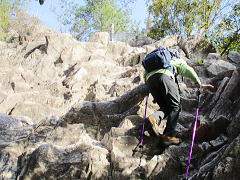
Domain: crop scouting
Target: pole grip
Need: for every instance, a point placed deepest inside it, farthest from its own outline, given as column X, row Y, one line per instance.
column 198, row 97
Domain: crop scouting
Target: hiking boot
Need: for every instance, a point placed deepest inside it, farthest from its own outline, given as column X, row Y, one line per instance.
column 154, row 124
column 168, row 140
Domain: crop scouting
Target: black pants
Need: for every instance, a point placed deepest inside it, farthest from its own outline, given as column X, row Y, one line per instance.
column 166, row 94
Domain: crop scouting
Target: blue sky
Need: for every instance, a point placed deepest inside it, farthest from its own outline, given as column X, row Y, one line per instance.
column 49, row 19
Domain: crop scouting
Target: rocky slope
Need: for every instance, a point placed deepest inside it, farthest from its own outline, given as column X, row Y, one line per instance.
column 73, row 110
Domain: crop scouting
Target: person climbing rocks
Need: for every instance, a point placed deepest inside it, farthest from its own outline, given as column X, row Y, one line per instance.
column 161, row 67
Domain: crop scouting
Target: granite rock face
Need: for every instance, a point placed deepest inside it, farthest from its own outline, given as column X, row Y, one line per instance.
column 74, row 110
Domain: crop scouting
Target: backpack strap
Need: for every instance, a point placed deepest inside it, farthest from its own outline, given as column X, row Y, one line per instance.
column 162, row 52
column 176, row 80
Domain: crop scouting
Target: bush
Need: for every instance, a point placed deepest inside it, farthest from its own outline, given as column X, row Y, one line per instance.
column 12, row 18
column 3, row 37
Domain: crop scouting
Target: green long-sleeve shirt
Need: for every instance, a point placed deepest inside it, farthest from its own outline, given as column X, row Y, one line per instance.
column 182, row 67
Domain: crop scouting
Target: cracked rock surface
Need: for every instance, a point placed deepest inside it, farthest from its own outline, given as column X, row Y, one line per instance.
column 74, row 110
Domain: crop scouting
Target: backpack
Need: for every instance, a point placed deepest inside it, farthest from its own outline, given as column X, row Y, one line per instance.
column 160, row 59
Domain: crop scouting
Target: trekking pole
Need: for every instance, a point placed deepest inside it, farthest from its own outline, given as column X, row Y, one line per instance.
column 143, row 124
column 194, row 133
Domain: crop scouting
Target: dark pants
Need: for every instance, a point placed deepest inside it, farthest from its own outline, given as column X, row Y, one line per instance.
column 166, row 94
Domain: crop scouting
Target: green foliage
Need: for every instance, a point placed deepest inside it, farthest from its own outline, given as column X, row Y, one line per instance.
column 3, row 36
column 5, row 6
column 8, row 11
column 94, row 15
column 217, row 20
column 184, row 17
column 199, row 62
column 226, row 36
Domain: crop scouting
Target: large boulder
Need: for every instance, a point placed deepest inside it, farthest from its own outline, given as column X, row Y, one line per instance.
column 195, row 46
column 226, row 168
column 214, row 56
column 8, row 122
column 84, row 160
column 100, row 37
column 219, row 66
column 234, row 57
column 141, row 40
column 168, row 41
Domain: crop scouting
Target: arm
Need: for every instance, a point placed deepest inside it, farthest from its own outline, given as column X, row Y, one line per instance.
column 185, row 70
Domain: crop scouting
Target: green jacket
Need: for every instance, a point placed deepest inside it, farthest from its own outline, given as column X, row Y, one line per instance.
column 182, row 67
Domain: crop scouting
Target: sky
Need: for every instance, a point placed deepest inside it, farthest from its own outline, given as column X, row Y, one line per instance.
column 49, row 19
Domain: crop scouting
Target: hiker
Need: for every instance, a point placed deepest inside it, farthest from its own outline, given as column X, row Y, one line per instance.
column 160, row 77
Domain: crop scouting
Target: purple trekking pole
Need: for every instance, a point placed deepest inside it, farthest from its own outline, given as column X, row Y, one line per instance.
column 194, row 133
column 140, row 144
column 143, row 124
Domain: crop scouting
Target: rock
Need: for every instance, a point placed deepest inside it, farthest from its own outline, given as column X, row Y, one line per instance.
column 8, row 122
column 110, row 112
column 26, row 120
column 39, row 43
column 168, row 41
column 220, row 141
column 205, row 146
column 139, row 41
column 121, row 143
column 65, row 62
column 234, row 57
column 50, row 120
column 10, row 164
column 186, row 118
column 13, row 37
column 3, row 44
column 217, row 94
column 207, row 165
column 69, row 162
column 188, row 104
column 195, row 46
column 226, row 168
column 34, row 110
column 149, row 48
column 12, row 141
column 222, row 105
column 81, row 73
column 219, row 66
column 131, row 59
column 77, row 111
column 214, row 56
column 100, row 37
column 160, row 167
column 117, row 49
column 220, row 125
